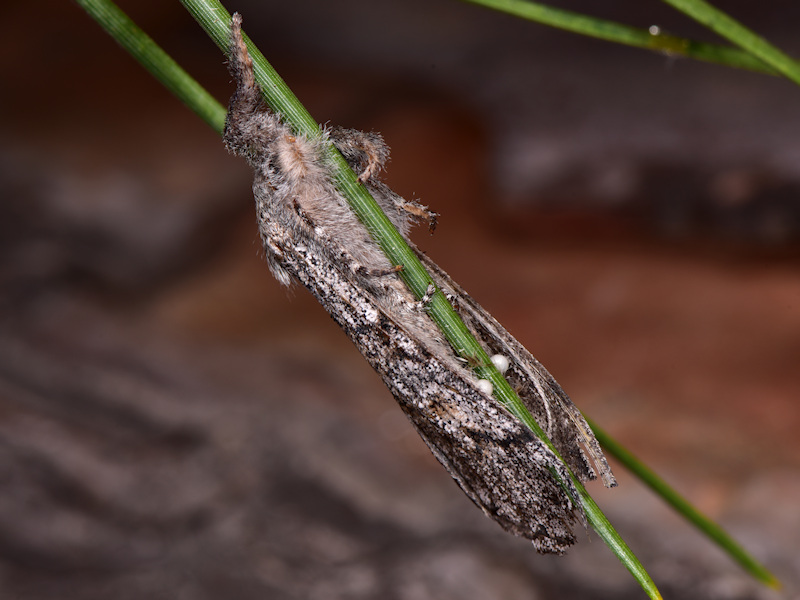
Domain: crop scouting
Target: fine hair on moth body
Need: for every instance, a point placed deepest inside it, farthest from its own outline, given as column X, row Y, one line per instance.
column 311, row 236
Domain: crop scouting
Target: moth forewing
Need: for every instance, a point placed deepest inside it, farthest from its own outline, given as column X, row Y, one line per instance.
column 552, row 408
column 497, row 461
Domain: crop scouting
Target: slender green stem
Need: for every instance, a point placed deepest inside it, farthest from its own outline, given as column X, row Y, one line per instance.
column 215, row 21
column 594, row 515
column 615, row 542
column 729, row 28
column 156, row 61
column 625, row 34
column 682, row 506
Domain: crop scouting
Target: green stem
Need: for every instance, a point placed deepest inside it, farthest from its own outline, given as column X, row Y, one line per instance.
column 729, row 28
column 615, row 542
column 139, row 45
column 624, row 34
column 683, row 507
column 215, row 21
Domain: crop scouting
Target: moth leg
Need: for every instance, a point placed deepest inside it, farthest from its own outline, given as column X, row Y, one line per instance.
column 388, row 199
column 306, row 219
column 366, row 153
column 274, row 252
column 427, row 297
column 451, row 296
column 421, row 211
column 362, row 270
column 423, row 302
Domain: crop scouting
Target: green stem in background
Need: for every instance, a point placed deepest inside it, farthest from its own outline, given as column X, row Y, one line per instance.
column 139, row 45
column 683, row 507
column 729, row 28
column 625, row 34
column 215, row 19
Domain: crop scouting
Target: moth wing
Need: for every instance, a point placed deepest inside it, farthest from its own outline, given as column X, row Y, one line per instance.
column 552, row 408
column 496, row 460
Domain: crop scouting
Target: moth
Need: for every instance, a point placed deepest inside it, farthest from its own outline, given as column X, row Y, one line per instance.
column 310, row 235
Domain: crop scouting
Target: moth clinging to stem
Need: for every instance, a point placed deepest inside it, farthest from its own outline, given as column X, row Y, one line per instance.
column 312, row 236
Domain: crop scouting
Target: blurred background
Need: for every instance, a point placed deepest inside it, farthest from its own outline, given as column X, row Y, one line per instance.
column 174, row 424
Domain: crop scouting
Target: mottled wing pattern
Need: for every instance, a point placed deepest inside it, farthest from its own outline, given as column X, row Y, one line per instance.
column 311, row 236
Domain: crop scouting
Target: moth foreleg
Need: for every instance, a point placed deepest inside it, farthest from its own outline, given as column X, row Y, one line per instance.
column 415, row 209
column 366, row 153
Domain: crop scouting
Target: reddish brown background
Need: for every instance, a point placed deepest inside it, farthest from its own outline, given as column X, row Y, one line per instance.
column 175, row 424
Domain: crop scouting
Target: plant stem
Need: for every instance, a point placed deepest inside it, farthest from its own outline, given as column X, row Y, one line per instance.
column 683, row 507
column 139, row 45
column 625, row 34
column 729, row 28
